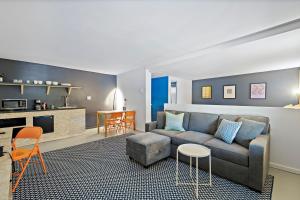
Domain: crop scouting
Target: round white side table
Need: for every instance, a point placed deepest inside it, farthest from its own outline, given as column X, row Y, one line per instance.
column 193, row 151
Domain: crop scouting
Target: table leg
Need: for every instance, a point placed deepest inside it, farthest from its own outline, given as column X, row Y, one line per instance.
column 191, row 166
column 177, row 167
column 197, row 179
column 210, row 169
column 98, row 123
column 105, row 126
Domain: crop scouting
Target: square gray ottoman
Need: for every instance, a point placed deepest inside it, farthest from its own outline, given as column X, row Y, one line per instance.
column 148, row 148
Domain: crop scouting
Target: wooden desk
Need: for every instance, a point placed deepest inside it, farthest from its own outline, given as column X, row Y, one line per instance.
column 107, row 113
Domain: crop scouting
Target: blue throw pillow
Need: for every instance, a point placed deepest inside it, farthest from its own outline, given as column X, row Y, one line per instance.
column 174, row 122
column 249, row 130
column 227, row 130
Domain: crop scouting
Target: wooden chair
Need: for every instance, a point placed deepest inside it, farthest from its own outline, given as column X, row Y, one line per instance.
column 23, row 156
column 129, row 120
column 114, row 121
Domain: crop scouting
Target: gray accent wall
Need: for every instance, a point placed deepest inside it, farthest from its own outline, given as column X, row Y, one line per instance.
column 99, row 86
column 280, row 84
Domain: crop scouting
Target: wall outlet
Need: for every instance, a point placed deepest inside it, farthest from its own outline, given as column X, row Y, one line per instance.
column 89, row 98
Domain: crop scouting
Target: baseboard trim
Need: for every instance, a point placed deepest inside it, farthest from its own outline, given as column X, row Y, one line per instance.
column 285, row 168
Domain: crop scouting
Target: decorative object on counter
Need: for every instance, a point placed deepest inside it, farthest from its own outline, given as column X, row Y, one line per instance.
column 44, row 106
column 206, row 92
column 52, row 107
column 2, row 77
column 258, row 90
column 38, row 105
column 48, row 82
column 229, row 91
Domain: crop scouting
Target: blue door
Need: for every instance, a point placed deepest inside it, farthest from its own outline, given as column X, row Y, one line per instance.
column 159, row 95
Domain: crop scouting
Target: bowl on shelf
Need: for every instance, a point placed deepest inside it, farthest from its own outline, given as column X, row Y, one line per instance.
column 35, row 82
column 54, row 82
column 48, row 82
column 41, row 82
column 66, row 84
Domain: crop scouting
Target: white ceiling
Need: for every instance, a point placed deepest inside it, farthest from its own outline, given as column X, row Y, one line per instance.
column 117, row 36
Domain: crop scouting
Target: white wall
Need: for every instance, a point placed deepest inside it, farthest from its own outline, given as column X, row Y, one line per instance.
column 134, row 86
column 184, row 90
column 148, row 95
column 285, row 129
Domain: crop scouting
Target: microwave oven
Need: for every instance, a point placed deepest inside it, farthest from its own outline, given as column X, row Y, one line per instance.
column 14, row 104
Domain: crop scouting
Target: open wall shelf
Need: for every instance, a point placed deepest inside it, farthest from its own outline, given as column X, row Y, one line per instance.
column 48, row 87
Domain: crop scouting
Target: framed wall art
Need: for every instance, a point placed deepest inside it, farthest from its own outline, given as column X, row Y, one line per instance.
column 229, row 91
column 206, row 92
column 258, row 90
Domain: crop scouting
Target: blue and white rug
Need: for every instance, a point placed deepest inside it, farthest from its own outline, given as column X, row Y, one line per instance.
column 101, row 170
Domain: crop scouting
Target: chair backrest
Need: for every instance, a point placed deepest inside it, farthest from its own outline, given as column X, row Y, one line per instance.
column 30, row 133
column 130, row 115
column 116, row 115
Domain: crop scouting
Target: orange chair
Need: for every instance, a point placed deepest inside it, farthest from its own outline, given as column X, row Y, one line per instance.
column 23, row 156
column 129, row 120
column 114, row 121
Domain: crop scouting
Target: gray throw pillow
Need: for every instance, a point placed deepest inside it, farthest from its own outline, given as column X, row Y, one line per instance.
column 161, row 120
column 249, row 130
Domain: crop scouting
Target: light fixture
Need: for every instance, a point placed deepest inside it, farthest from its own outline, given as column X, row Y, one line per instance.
column 297, row 92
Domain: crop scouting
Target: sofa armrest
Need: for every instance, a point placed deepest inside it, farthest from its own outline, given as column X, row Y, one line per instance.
column 259, row 158
column 150, row 126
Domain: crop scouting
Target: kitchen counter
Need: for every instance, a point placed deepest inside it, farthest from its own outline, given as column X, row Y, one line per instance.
column 66, row 122
column 29, row 110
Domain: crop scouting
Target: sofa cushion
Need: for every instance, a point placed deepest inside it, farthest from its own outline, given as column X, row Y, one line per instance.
column 186, row 119
column 165, row 132
column 174, row 122
column 261, row 119
column 190, row 137
column 234, row 153
column 161, row 120
column 203, row 122
column 228, row 130
column 249, row 130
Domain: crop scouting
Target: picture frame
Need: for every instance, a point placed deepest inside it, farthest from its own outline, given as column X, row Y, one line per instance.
column 229, row 91
column 206, row 92
column 258, row 90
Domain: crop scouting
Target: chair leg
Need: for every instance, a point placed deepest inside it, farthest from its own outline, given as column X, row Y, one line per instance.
column 42, row 161
column 21, row 175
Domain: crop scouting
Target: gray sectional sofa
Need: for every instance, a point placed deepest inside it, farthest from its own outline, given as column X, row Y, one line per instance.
column 248, row 166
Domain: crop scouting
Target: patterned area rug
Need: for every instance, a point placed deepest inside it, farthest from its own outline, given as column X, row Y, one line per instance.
column 101, row 170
